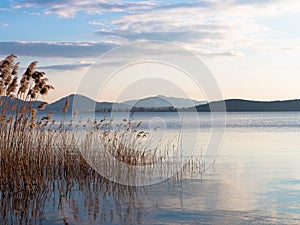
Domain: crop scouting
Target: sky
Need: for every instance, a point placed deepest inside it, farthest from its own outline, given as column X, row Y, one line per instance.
column 251, row 48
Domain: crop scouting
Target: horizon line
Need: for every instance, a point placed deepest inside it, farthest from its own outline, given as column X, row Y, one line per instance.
column 207, row 101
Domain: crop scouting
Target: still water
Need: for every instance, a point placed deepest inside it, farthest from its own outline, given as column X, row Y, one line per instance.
column 255, row 179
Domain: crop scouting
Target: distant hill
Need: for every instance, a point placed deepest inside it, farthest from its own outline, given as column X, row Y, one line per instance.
column 12, row 101
column 239, row 105
column 161, row 101
column 58, row 106
column 84, row 104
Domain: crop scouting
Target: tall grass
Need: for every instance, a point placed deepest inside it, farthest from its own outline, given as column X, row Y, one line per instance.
column 40, row 157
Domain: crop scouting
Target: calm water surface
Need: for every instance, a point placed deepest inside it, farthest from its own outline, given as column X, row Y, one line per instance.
column 254, row 180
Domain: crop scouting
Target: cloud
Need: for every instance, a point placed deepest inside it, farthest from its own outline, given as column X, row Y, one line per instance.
column 211, row 29
column 279, row 48
column 95, row 23
column 56, row 49
column 73, row 66
column 221, row 25
column 69, row 8
column 5, row 9
column 217, row 54
column 164, row 28
column 4, row 25
column 34, row 13
column 81, row 50
column 216, row 26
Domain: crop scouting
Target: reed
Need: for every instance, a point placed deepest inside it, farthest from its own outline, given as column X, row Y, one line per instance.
column 40, row 157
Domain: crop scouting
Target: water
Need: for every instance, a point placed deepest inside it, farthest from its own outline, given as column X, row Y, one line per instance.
column 254, row 180
column 244, row 122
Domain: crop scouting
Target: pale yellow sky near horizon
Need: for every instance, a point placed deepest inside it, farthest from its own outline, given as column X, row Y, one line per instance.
column 253, row 77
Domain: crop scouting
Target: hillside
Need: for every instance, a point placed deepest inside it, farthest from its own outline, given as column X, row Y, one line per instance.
column 239, row 105
column 12, row 101
column 161, row 101
column 84, row 104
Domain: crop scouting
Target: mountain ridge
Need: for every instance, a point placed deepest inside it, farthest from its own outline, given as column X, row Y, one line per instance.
column 163, row 101
column 85, row 104
column 242, row 105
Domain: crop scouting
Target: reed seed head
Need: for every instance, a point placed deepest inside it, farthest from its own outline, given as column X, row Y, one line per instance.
column 65, row 109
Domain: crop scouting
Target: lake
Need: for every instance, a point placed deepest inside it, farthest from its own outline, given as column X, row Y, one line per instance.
column 255, row 178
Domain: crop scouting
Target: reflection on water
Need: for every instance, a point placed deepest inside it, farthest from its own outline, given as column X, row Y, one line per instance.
column 243, row 122
column 255, row 180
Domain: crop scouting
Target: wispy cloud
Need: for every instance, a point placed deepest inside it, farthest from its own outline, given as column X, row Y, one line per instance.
column 285, row 45
column 69, row 8
column 83, row 50
column 218, row 54
column 56, row 49
column 5, row 9
column 4, row 25
column 96, row 23
column 72, row 66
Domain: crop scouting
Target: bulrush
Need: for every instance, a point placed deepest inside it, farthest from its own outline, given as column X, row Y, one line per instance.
column 18, row 127
column 2, row 89
column 32, row 93
column 45, row 90
column 65, row 109
column 30, row 70
column 33, row 114
column 15, row 69
column 48, row 117
column 12, row 87
column 24, row 87
column 42, row 105
column 37, row 76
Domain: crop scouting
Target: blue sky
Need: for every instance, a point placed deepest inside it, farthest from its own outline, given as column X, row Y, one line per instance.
column 251, row 47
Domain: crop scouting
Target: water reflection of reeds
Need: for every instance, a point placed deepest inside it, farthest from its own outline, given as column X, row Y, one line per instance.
column 67, row 188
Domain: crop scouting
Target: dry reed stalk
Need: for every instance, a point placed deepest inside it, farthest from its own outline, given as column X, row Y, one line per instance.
column 38, row 159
